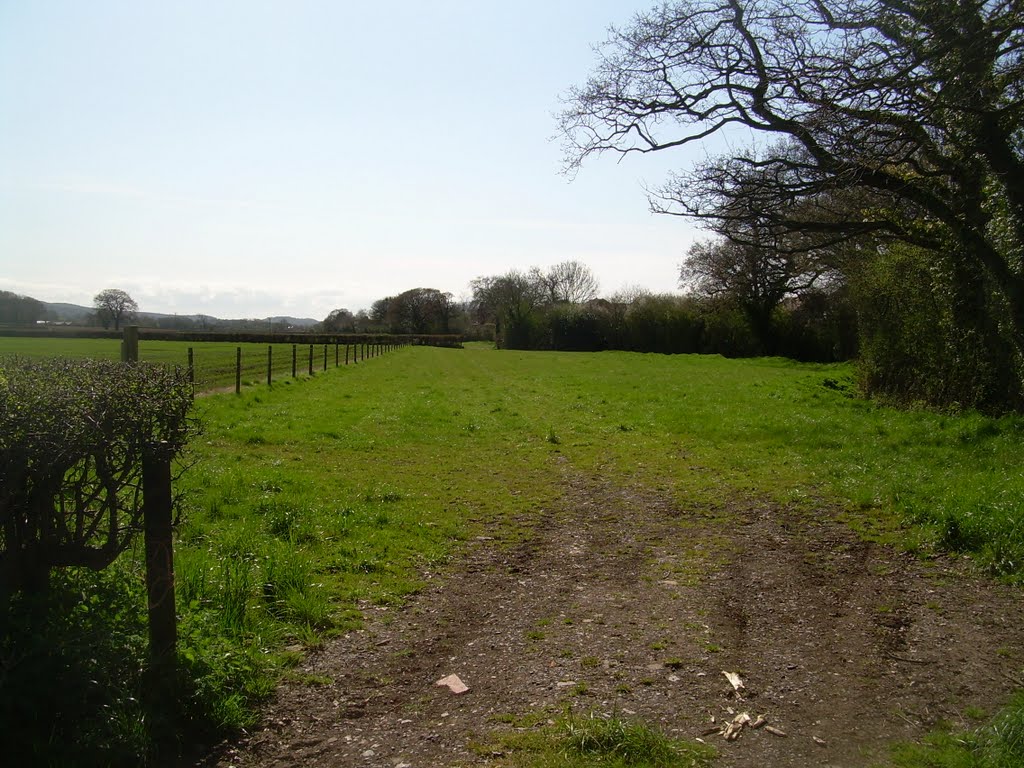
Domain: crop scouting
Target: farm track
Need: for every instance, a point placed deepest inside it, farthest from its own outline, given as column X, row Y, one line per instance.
column 619, row 601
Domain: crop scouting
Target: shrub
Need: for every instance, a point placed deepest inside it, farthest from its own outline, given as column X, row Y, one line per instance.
column 73, row 438
column 930, row 335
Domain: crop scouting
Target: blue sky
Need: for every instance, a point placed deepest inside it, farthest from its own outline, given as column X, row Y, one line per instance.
column 246, row 159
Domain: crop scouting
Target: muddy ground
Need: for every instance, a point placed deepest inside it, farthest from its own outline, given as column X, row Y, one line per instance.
column 623, row 602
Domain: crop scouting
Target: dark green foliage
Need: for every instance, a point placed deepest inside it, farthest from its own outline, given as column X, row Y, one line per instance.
column 73, row 436
column 20, row 310
column 576, row 328
column 812, row 329
column 665, row 324
column 71, row 678
column 927, row 336
column 1000, row 744
column 820, row 327
column 418, row 310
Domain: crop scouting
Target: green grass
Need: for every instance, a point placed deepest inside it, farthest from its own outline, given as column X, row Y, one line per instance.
column 999, row 744
column 310, row 502
column 214, row 362
column 593, row 741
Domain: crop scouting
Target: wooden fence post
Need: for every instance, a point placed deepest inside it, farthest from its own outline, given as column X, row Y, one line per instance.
column 325, row 357
column 310, row 359
column 270, row 363
column 346, row 353
column 156, row 511
column 238, row 370
column 130, row 344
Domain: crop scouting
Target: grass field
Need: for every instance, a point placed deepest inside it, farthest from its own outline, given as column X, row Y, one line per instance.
column 214, row 362
column 307, row 503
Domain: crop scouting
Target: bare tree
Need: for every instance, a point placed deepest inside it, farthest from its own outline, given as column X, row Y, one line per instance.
column 753, row 278
column 569, row 282
column 114, row 305
column 629, row 294
column 916, row 104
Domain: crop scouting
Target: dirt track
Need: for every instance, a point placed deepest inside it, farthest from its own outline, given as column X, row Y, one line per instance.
column 623, row 602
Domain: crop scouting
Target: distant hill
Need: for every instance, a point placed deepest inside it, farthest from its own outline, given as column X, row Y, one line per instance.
column 70, row 313
column 73, row 313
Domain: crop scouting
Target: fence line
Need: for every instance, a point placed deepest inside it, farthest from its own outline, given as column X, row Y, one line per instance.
column 247, row 366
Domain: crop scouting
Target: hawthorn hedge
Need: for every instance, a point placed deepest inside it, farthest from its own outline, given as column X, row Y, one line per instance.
column 73, row 438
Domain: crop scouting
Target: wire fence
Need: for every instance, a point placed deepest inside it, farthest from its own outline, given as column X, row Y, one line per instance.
column 222, row 367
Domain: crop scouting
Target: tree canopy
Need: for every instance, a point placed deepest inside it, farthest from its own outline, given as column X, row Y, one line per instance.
column 418, row 310
column 895, row 119
column 113, row 306
column 893, row 129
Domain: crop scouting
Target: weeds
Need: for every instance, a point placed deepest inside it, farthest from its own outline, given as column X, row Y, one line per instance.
column 1000, row 744
column 595, row 741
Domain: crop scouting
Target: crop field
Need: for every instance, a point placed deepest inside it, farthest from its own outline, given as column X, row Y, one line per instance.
column 306, row 506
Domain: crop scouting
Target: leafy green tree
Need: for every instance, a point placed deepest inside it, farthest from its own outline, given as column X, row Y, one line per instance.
column 510, row 301
column 114, row 306
column 339, row 321
column 418, row 310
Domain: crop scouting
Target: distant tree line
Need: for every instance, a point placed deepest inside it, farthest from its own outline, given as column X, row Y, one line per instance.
column 798, row 319
column 426, row 311
column 20, row 310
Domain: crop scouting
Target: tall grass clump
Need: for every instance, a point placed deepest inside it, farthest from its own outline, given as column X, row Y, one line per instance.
column 999, row 744
column 613, row 741
column 594, row 741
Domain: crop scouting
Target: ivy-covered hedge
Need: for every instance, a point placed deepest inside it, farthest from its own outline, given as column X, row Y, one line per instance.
column 73, row 436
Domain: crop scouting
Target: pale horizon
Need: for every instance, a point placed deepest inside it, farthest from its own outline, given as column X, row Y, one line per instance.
column 254, row 160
